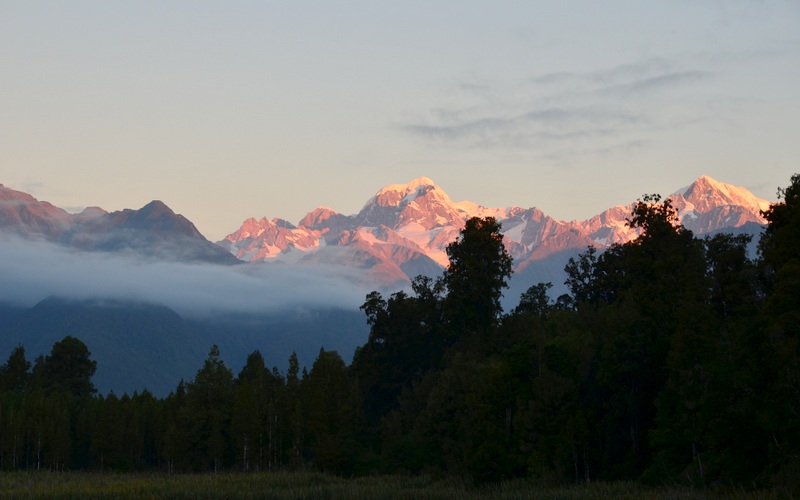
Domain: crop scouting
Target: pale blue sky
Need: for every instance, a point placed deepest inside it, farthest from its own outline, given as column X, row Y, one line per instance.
column 226, row 110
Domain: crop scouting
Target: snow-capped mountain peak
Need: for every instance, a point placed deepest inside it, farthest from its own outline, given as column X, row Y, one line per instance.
column 409, row 187
column 395, row 195
column 407, row 227
column 706, row 193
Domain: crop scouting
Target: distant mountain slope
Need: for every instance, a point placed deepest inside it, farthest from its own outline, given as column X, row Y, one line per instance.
column 408, row 227
column 136, row 345
column 146, row 346
column 24, row 215
column 153, row 231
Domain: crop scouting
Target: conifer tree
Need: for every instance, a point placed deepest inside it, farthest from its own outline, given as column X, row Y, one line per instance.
column 247, row 424
column 476, row 276
column 15, row 373
column 68, row 368
column 207, row 413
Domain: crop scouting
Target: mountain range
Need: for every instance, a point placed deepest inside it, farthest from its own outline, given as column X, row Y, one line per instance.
column 153, row 231
column 125, row 282
column 404, row 229
column 399, row 233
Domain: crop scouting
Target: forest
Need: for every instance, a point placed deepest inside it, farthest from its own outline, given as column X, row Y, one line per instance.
column 672, row 360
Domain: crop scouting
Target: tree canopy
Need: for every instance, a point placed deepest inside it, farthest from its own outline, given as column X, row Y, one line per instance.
column 665, row 347
column 478, row 272
column 68, row 368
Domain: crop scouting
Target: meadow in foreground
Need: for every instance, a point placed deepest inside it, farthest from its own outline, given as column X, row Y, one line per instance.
column 287, row 485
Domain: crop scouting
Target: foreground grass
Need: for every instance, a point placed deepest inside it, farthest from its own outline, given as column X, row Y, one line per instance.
column 283, row 485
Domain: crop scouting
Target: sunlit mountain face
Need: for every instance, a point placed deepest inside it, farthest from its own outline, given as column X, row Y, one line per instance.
column 154, row 231
column 401, row 232
column 407, row 227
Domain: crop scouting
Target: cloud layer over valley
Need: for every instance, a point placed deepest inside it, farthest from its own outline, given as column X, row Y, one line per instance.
column 32, row 271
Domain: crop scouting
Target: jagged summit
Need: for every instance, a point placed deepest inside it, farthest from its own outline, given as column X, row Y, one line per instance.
column 410, row 225
column 706, row 193
column 395, row 195
column 156, row 207
column 403, row 230
column 419, row 203
column 411, row 186
column 154, row 231
column 317, row 218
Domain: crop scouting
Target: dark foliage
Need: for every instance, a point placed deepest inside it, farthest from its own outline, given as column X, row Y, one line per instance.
column 672, row 360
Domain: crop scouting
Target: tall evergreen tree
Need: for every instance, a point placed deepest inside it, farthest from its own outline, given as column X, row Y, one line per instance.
column 249, row 412
column 330, row 435
column 293, row 411
column 476, row 276
column 207, row 414
column 15, row 373
column 68, row 368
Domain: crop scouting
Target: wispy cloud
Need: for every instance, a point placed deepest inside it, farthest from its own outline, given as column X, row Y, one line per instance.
column 657, row 83
column 613, row 75
column 554, row 123
column 596, row 110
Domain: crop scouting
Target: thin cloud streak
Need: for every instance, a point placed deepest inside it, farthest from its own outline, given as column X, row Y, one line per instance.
column 657, row 83
column 525, row 129
column 598, row 110
column 631, row 71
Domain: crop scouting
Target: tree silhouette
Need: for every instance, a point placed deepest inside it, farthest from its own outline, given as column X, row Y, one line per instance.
column 68, row 368
column 15, row 373
column 476, row 276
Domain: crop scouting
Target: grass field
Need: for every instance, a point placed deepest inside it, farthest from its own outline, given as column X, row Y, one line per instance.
column 282, row 485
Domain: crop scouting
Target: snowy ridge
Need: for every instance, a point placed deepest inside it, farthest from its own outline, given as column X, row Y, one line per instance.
column 707, row 205
column 407, row 227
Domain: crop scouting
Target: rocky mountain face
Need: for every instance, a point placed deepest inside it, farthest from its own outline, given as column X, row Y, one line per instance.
column 401, row 232
column 153, row 231
column 708, row 206
column 404, row 229
column 24, row 215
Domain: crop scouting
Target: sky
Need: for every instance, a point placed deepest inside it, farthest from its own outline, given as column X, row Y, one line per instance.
column 237, row 109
